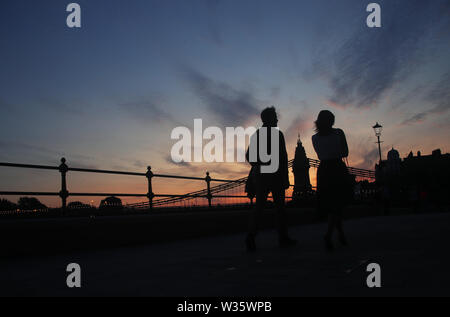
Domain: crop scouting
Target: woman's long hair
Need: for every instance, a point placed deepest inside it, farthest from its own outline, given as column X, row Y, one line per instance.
column 324, row 122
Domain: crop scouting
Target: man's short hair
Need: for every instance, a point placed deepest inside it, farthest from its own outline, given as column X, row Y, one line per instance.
column 268, row 113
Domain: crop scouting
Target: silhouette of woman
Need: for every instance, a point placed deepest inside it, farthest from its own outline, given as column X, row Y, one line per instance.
column 331, row 147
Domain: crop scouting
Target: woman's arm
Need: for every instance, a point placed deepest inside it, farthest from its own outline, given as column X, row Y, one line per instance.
column 313, row 139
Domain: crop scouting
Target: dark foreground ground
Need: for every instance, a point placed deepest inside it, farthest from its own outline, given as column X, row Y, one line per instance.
column 412, row 250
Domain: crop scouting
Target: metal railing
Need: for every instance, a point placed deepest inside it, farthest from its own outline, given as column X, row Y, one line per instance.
column 209, row 193
column 359, row 172
column 63, row 193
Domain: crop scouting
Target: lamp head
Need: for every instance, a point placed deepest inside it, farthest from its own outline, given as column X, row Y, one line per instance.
column 377, row 128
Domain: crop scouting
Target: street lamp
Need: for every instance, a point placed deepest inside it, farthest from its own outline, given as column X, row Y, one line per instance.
column 378, row 128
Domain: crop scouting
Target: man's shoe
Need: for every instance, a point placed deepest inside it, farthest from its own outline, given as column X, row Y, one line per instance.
column 250, row 243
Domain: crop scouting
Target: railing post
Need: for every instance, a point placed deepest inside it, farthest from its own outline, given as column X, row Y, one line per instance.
column 208, row 186
column 63, row 168
column 150, row 193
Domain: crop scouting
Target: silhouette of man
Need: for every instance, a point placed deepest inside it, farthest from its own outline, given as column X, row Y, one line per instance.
column 264, row 182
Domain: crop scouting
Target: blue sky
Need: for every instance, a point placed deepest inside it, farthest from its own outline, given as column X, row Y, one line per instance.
column 107, row 95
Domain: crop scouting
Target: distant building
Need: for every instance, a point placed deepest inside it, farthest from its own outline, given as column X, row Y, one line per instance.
column 424, row 177
column 393, row 162
column 111, row 203
column 300, row 168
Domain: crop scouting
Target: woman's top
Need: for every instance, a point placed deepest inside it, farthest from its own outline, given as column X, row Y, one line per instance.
column 330, row 146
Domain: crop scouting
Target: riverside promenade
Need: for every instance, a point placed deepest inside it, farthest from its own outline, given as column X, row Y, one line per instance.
column 412, row 251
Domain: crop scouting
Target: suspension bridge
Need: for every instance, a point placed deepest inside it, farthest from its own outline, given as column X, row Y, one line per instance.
column 235, row 186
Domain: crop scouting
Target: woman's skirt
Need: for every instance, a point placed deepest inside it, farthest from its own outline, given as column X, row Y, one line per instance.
column 332, row 185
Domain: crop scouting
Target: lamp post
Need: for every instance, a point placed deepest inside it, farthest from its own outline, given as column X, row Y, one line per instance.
column 378, row 128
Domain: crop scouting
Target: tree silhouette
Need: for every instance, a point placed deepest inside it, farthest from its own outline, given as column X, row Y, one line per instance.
column 6, row 205
column 30, row 203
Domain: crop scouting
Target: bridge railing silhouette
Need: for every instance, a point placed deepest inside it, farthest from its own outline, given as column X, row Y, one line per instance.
column 153, row 199
column 63, row 193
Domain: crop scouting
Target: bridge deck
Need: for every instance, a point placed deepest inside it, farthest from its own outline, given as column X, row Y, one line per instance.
column 412, row 252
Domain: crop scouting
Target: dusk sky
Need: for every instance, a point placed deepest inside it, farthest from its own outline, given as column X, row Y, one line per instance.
column 107, row 95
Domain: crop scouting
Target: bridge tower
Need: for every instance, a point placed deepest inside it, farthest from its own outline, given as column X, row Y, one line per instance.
column 300, row 168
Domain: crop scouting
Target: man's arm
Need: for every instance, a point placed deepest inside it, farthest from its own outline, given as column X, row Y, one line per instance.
column 344, row 143
column 253, row 142
column 284, row 161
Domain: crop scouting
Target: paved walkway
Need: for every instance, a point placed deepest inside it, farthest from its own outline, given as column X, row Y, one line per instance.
column 413, row 252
